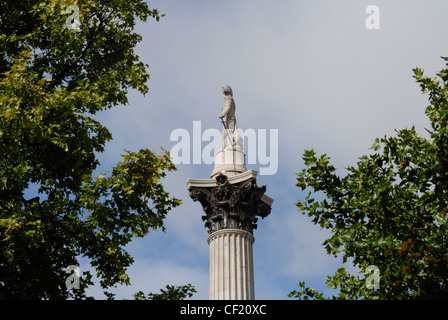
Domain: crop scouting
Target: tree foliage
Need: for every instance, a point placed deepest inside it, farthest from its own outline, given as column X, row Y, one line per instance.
column 53, row 80
column 390, row 210
column 169, row 293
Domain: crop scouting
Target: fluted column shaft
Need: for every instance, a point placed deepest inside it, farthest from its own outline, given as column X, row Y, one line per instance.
column 231, row 265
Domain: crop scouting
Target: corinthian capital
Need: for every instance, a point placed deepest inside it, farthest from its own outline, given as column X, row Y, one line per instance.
column 232, row 205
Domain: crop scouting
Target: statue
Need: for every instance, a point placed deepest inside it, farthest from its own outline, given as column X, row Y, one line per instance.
column 230, row 135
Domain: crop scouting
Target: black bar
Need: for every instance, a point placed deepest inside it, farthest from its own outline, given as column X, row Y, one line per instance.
column 206, row 309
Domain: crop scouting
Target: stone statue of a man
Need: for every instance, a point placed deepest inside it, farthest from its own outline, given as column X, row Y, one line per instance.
column 228, row 109
column 230, row 136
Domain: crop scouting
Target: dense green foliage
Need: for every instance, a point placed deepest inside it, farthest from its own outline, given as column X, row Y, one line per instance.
column 53, row 79
column 389, row 211
column 169, row 293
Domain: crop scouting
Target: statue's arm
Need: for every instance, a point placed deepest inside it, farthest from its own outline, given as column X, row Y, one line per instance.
column 225, row 109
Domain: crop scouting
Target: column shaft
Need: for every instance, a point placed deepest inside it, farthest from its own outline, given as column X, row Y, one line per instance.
column 231, row 265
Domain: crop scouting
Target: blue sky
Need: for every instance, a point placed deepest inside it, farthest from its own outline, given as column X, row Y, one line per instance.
column 311, row 70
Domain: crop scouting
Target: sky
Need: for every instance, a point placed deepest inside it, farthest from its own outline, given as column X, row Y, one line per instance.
column 311, row 70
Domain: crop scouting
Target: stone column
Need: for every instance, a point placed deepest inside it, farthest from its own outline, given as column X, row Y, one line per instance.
column 232, row 201
column 231, row 265
column 231, row 206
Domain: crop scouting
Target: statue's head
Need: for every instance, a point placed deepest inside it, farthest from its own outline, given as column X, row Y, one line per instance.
column 227, row 91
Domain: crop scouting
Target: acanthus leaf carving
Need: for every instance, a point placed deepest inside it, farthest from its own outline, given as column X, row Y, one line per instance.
column 231, row 206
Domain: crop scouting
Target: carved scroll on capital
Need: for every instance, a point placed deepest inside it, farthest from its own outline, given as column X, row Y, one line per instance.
column 231, row 206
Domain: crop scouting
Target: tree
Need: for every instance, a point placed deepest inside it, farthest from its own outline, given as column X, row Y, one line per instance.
column 389, row 211
column 170, row 293
column 55, row 74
